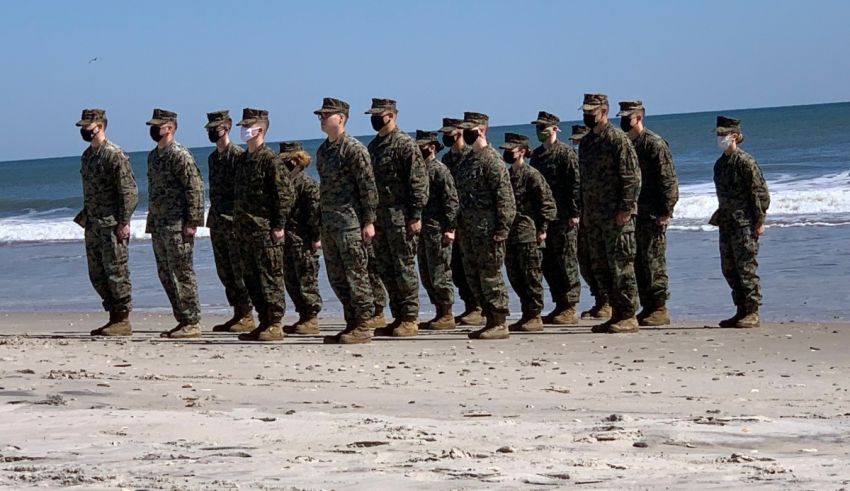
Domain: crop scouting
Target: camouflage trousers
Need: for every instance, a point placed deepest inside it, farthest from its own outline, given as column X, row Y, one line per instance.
column 109, row 273
column 435, row 269
column 585, row 266
column 173, row 253
column 523, row 263
column 651, row 262
column 395, row 251
column 560, row 264
column 262, row 271
column 346, row 260
column 379, row 295
column 459, row 276
column 301, row 275
column 482, row 263
column 739, row 262
column 612, row 256
column 225, row 246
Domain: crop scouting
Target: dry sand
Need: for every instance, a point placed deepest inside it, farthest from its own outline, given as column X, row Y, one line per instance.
column 682, row 407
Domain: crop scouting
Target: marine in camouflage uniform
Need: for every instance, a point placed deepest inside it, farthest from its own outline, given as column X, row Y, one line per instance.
column 379, row 294
column 263, row 200
column 402, row 184
column 456, row 153
column 659, row 193
column 222, row 164
column 348, row 201
column 558, row 163
column 110, row 196
column 175, row 210
column 487, row 210
column 439, row 221
column 535, row 209
column 610, row 184
column 303, row 238
column 743, row 201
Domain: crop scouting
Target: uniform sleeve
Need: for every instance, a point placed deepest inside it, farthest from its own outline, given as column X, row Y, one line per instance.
column 759, row 196
column 544, row 202
column 193, row 190
column 450, row 199
column 573, row 183
column 505, row 200
column 279, row 191
column 629, row 173
column 668, row 181
column 367, row 191
column 128, row 192
column 312, row 200
column 417, row 181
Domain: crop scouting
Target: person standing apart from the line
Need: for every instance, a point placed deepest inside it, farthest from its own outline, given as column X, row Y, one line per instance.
column 110, row 196
column 743, row 201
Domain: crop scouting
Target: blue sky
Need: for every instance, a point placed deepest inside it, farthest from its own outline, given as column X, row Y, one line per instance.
column 437, row 58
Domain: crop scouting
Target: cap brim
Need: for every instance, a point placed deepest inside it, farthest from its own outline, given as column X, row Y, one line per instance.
column 377, row 111
column 83, row 122
column 723, row 129
column 247, row 122
column 426, row 142
column 214, row 124
column 448, row 129
column 155, row 122
column 628, row 112
column 545, row 123
column 468, row 126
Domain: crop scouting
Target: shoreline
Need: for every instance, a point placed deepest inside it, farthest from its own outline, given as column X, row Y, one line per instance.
column 680, row 406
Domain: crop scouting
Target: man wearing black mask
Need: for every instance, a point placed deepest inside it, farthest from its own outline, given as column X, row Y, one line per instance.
column 610, row 184
column 222, row 167
column 110, row 196
column 402, row 184
column 457, row 152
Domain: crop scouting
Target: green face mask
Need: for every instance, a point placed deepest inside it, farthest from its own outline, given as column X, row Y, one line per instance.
column 544, row 134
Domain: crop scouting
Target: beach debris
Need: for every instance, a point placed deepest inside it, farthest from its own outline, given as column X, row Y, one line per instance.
column 266, row 419
column 640, row 444
column 476, row 414
column 505, row 450
column 367, row 444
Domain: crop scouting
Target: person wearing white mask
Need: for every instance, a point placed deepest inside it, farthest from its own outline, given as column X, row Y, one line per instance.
column 743, row 201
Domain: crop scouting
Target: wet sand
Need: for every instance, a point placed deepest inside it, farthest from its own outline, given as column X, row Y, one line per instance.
column 684, row 407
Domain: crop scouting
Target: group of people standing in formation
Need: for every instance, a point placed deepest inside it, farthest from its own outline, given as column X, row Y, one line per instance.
column 546, row 212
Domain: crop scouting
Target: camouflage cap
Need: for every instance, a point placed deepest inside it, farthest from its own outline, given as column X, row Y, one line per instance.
column 592, row 101
column 90, row 116
column 473, row 120
column 162, row 116
column 380, row 106
column 216, row 118
column 425, row 137
column 514, row 140
column 333, row 106
column 288, row 148
column 627, row 108
column 252, row 116
column 579, row 130
column 450, row 124
column 727, row 125
column 546, row 119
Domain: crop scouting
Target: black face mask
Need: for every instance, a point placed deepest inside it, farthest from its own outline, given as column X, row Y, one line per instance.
column 88, row 135
column 589, row 120
column 508, row 155
column 449, row 140
column 426, row 153
column 155, row 136
column 470, row 136
column 377, row 122
column 212, row 134
column 626, row 124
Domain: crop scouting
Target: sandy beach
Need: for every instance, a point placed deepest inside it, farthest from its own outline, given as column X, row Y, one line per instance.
column 681, row 407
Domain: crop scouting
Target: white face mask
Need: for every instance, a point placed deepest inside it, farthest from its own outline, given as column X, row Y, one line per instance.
column 246, row 133
column 723, row 142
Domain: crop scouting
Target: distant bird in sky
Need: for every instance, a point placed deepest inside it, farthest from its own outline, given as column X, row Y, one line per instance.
column 96, row 58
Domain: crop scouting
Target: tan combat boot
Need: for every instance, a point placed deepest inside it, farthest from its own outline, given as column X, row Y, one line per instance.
column 602, row 328
column 444, row 320
column 308, row 325
column 387, row 330
column 655, row 317
column 334, row 338
column 566, row 317
column 473, row 316
column 273, row 331
column 598, row 312
column 495, row 328
column 378, row 320
column 99, row 330
column 238, row 314
column 120, row 325
column 183, row 331
column 406, row 328
column 517, row 326
column 359, row 334
column 629, row 324
column 533, row 324
column 733, row 321
column 748, row 321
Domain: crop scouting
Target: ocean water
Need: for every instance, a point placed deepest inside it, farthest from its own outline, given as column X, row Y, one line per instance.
column 804, row 152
